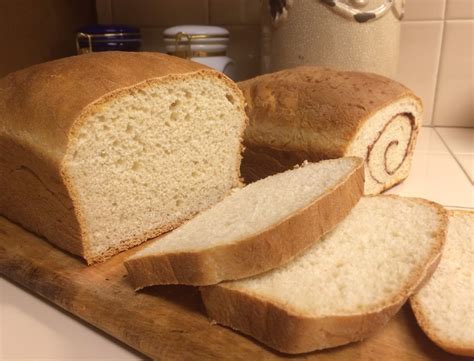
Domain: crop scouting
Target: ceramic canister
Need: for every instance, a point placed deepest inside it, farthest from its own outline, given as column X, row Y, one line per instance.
column 361, row 35
column 201, row 43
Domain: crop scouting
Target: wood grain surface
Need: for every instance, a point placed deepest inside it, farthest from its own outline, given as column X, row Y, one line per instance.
column 169, row 322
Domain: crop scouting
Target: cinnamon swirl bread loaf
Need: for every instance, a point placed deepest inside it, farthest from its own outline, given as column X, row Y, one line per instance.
column 312, row 113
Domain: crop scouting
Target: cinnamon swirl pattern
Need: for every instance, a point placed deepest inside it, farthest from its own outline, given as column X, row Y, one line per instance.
column 388, row 155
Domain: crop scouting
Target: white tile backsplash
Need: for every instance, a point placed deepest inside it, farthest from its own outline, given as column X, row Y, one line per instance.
column 420, row 46
column 460, row 9
column 429, row 141
column 467, row 163
column 458, row 140
column 431, row 172
column 424, row 9
column 455, row 87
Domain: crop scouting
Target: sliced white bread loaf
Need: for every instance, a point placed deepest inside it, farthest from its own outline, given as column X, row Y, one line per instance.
column 312, row 113
column 444, row 307
column 99, row 152
column 257, row 228
column 343, row 288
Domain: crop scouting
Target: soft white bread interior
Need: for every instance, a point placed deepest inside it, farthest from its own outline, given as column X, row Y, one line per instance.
column 343, row 288
column 153, row 157
column 257, row 228
column 444, row 307
column 102, row 151
column 312, row 113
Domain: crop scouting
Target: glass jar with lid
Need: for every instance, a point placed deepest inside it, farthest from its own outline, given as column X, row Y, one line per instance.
column 95, row 38
column 201, row 43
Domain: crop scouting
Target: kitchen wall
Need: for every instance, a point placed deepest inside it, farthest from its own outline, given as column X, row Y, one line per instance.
column 34, row 31
column 437, row 59
column 240, row 17
column 436, row 47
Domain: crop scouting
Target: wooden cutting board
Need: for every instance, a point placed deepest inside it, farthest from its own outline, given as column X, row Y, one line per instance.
column 169, row 322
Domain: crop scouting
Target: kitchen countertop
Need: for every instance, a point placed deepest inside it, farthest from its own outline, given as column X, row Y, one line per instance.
column 34, row 329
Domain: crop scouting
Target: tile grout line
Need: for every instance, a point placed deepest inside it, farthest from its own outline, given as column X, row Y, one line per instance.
column 446, row 126
column 435, row 20
column 438, row 65
column 458, row 207
column 454, row 156
column 459, row 20
column 422, row 20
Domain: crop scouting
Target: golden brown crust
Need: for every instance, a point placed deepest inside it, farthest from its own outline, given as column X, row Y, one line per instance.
column 319, row 110
column 261, row 162
column 42, row 107
column 290, row 330
column 33, row 196
column 286, row 331
column 259, row 253
column 456, row 348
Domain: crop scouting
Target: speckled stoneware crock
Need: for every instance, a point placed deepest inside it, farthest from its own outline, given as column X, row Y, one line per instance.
column 359, row 35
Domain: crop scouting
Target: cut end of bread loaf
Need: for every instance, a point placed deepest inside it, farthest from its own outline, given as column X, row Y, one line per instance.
column 444, row 307
column 144, row 159
column 386, row 140
column 257, row 228
column 315, row 113
column 343, row 288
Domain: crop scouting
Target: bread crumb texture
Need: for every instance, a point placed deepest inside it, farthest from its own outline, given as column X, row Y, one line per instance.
column 255, row 208
column 444, row 307
column 368, row 260
column 154, row 156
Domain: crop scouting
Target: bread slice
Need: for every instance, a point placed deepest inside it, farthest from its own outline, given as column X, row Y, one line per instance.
column 313, row 113
column 343, row 288
column 444, row 307
column 102, row 151
column 257, row 228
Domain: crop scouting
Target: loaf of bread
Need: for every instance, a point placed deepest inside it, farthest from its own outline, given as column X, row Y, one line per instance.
column 346, row 286
column 99, row 152
column 311, row 113
column 256, row 229
column 444, row 307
